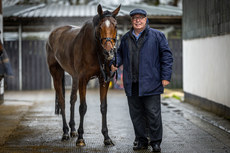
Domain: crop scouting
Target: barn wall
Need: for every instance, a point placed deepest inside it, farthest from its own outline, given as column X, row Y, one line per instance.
column 206, row 54
column 35, row 73
column 205, row 18
column 206, row 68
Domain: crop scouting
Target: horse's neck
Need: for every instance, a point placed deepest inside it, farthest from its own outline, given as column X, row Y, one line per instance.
column 91, row 44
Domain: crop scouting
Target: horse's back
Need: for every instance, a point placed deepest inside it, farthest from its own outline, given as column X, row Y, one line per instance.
column 62, row 35
column 59, row 46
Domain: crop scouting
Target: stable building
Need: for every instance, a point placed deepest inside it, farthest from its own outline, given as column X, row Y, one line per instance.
column 26, row 28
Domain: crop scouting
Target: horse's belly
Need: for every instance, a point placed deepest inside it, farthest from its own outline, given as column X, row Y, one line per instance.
column 65, row 63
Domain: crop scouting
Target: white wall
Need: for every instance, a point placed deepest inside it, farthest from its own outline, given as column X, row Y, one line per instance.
column 206, row 68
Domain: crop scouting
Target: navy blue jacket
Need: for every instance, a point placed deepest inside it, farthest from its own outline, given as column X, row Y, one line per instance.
column 155, row 62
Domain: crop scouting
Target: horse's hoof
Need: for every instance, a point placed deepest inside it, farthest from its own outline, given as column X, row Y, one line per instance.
column 108, row 142
column 65, row 137
column 73, row 134
column 80, row 142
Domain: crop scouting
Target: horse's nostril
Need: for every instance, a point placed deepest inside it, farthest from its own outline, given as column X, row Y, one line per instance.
column 108, row 49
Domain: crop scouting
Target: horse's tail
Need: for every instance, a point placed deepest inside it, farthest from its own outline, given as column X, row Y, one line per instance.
column 57, row 107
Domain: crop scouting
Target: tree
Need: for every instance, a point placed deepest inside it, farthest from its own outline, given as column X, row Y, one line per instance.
column 152, row 2
column 157, row 2
column 174, row 2
column 77, row 2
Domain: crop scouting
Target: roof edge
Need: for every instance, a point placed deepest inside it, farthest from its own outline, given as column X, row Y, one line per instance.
column 29, row 9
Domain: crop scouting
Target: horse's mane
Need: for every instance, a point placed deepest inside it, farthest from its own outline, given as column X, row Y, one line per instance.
column 97, row 18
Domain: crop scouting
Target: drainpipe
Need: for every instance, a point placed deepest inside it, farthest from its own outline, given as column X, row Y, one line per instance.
column 20, row 55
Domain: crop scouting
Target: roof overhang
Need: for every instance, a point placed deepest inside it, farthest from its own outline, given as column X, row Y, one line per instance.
column 46, row 17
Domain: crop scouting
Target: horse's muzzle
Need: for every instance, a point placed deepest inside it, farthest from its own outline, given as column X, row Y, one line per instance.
column 109, row 54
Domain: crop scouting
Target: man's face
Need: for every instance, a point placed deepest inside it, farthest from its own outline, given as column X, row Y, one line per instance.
column 139, row 22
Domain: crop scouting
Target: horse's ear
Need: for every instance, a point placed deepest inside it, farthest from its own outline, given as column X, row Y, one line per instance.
column 115, row 12
column 99, row 10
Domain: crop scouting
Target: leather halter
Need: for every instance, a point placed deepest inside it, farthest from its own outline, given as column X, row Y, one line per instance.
column 108, row 39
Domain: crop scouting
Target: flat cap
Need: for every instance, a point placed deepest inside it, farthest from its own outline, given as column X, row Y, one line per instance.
column 138, row 11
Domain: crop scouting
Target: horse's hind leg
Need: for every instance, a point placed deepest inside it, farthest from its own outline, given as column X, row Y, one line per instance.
column 58, row 73
column 82, row 111
column 57, row 108
column 103, row 98
column 73, row 99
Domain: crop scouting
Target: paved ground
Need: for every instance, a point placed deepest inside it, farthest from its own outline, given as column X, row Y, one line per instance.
column 28, row 124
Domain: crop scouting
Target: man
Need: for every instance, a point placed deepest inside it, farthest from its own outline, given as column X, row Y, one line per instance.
column 147, row 67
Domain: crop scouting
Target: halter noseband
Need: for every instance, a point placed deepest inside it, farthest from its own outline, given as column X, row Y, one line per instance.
column 108, row 39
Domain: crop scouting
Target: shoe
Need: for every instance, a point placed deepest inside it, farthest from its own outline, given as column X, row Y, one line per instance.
column 140, row 146
column 135, row 143
column 156, row 148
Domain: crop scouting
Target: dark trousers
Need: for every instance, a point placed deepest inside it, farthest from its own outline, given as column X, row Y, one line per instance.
column 144, row 109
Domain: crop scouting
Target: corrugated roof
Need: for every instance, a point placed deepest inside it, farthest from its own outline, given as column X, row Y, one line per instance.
column 6, row 3
column 17, row 10
column 161, row 10
column 55, row 10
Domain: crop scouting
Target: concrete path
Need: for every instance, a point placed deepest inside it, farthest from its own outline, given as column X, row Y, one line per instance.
column 28, row 124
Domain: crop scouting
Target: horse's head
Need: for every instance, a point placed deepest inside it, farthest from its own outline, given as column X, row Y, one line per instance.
column 108, row 31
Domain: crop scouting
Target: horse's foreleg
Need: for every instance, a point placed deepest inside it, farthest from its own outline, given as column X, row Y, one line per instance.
column 73, row 99
column 82, row 111
column 103, row 99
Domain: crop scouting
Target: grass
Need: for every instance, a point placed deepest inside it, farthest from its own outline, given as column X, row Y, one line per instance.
column 176, row 94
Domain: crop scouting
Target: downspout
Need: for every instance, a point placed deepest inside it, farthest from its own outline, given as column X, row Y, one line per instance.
column 20, row 55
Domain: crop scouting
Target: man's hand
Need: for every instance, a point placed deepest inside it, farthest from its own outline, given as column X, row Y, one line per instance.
column 165, row 82
column 113, row 68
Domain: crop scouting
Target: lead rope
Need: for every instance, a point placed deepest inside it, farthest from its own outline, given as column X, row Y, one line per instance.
column 102, row 68
column 100, row 65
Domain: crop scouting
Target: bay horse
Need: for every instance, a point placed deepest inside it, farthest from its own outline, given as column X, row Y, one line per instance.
column 83, row 53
